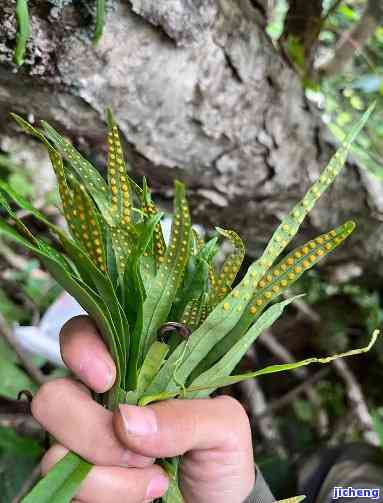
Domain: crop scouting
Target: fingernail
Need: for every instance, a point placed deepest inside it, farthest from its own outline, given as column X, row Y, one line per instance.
column 157, row 487
column 96, row 372
column 138, row 420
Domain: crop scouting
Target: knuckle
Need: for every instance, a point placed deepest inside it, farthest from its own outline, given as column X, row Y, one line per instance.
column 236, row 410
column 45, row 395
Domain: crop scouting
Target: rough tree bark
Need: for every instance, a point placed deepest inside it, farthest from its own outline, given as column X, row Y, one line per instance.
column 199, row 93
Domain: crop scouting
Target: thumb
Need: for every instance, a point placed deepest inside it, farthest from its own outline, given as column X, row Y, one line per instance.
column 173, row 427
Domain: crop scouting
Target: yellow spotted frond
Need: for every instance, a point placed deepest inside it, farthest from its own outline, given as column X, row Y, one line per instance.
column 148, row 267
column 231, row 266
column 162, row 292
column 195, row 312
column 292, row 222
column 122, row 247
column 87, row 226
column 291, row 268
column 198, row 241
column 87, row 173
column 273, row 284
column 198, row 245
column 119, row 184
column 149, row 209
column 159, row 246
column 80, row 213
column 82, row 218
column 213, row 279
column 66, row 195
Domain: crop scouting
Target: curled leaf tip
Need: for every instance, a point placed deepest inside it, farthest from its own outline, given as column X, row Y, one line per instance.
column 350, row 226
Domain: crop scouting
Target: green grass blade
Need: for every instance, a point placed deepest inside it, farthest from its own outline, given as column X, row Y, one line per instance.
column 95, row 306
column 23, row 33
column 61, row 482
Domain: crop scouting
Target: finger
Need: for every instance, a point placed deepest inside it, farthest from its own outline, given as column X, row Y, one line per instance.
column 174, row 427
column 84, row 426
column 84, row 352
column 106, row 484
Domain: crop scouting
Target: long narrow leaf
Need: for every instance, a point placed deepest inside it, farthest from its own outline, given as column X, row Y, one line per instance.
column 24, row 31
column 100, row 19
column 230, row 267
column 84, row 169
column 229, row 361
column 61, row 482
column 169, row 276
column 230, row 380
column 277, row 280
column 119, row 183
column 149, row 209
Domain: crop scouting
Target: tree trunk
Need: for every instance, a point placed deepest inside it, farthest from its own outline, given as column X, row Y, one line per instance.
column 200, row 94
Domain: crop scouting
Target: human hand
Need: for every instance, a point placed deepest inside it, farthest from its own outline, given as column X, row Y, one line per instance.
column 212, row 435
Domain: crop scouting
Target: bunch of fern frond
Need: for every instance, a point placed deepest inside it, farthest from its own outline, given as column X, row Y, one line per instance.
column 173, row 323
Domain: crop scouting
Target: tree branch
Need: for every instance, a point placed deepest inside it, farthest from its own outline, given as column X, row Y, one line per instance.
column 354, row 39
column 264, row 421
column 273, row 345
column 357, row 400
column 353, row 390
column 32, row 370
column 286, row 399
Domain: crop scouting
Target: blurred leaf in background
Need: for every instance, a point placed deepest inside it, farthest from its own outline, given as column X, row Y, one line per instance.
column 18, row 457
column 378, row 425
